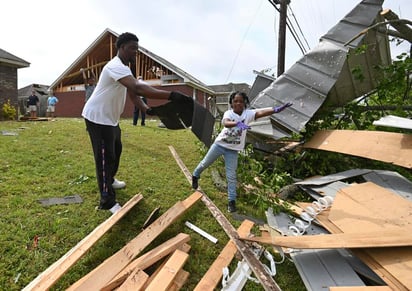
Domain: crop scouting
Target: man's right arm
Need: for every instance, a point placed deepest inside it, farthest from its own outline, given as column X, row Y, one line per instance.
column 142, row 89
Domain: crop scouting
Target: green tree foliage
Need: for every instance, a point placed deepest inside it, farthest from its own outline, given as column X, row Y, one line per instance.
column 392, row 96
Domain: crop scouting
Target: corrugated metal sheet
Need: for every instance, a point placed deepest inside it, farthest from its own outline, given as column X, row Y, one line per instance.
column 323, row 76
column 334, row 177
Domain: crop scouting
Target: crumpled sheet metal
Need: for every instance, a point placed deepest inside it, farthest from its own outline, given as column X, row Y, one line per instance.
column 309, row 81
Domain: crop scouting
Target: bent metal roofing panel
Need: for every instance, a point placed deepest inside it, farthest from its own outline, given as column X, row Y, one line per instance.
column 323, row 76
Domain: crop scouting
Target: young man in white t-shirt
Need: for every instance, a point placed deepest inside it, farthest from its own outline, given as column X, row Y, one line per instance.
column 102, row 113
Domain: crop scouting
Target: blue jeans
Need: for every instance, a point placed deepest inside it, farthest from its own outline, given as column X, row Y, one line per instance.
column 230, row 157
column 136, row 116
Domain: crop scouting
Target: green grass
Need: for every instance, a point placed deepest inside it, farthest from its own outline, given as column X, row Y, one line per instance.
column 54, row 159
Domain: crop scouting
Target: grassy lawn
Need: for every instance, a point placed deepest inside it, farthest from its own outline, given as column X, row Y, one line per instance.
column 54, row 159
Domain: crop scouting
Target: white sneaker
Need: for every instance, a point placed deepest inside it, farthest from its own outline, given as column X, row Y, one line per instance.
column 118, row 184
column 115, row 208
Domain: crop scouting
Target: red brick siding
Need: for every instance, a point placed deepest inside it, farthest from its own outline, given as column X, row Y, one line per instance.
column 71, row 103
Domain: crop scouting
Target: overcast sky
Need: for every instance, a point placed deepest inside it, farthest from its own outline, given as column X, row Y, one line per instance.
column 216, row 41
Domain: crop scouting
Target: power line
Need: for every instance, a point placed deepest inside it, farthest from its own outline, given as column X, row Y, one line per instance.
column 291, row 28
column 300, row 30
column 241, row 43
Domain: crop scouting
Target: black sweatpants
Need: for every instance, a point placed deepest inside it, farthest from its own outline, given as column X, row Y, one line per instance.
column 107, row 148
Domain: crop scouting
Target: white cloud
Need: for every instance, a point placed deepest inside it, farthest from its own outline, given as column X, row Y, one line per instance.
column 216, row 41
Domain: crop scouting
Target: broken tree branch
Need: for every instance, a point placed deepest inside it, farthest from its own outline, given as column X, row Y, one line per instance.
column 400, row 26
column 391, row 22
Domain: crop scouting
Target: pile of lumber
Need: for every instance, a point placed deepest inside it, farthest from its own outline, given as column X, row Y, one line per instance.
column 125, row 269
column 374, row 223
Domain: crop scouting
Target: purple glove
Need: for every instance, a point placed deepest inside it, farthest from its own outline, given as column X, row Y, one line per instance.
column 281, row 108
column 242, row 126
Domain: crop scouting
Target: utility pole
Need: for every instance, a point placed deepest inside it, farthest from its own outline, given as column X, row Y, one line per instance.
column 282, row 35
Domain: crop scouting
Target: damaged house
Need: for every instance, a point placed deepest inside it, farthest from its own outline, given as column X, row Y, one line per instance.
column 156, row 71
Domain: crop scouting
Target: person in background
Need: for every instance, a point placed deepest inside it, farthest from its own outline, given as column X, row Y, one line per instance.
column 231, row 140
column 89, row 83
column 136, row 114
column 136, row 110
column 102, row 113
column 51, row 105
column 33, row 102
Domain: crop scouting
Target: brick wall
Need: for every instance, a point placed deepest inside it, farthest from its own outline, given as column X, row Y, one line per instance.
column 71, row 103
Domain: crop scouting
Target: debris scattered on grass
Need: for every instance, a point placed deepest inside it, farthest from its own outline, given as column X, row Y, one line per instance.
column 81, row 179
column 16, row 279
column 34, row 244
column 9, row 133
column 61, row 200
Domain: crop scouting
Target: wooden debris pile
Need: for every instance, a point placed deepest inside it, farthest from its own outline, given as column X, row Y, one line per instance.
column 366, row 230
column 125, row 269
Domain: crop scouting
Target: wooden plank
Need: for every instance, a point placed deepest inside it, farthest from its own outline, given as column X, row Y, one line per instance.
column 148, row 259
column 180, row 280
column 370, row 207
column 268, row 283
column 389, row 147
column 387, row 238
column 384, row 274
column 134, row 282
column 106, row 271
column 397, row 262
column 214, row 274
column 363, row 255
column 50, row 276
column 165, row 278
column 185, row 248
column 360, row 288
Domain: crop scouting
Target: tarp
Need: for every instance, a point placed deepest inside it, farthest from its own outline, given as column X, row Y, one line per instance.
column 187, row 114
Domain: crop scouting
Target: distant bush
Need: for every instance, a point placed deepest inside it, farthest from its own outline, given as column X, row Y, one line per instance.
column 9, row 111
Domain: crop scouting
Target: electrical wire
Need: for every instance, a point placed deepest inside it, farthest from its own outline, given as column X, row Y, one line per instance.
column 241, row 43
column 291, row 28
column 297, row 23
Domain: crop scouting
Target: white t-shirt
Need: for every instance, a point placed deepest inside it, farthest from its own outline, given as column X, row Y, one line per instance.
column 233, row 138
column 106, row 104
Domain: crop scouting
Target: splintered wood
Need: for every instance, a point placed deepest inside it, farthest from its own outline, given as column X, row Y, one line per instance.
column 374, row 221
column 106, row 271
